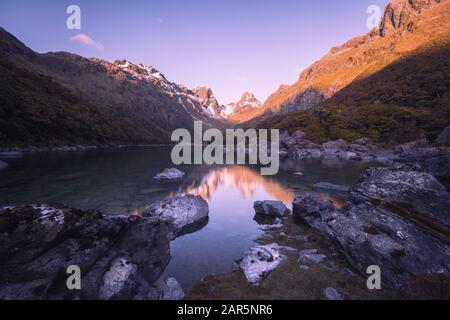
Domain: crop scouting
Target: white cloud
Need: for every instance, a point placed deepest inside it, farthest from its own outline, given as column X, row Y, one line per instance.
column 85, row 39
column 159, row 20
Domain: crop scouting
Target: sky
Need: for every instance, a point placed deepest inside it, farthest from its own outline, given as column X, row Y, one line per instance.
column 232, row 46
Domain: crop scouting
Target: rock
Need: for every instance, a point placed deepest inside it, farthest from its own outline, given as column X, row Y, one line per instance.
column 364, row 142
column 271, row 208
column 367, row 234
column 118, row 255
column 299, row 136
column 444, row 137
column 439, row 166
column 186, row 214
column 304, row 206
column 411, row 146
column 330, row 186
column 332, row 294
column 171, row 174
column 286, row 140
column 3, row 165
column 259, row 261
column 308, row 257
column 333, row 147
column 172, row 290
column 403, row 184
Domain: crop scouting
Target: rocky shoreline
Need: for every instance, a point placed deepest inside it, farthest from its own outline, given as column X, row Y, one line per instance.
column 120, row 257
column 396, row 217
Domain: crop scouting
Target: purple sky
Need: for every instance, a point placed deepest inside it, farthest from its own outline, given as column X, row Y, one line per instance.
column 230, row 45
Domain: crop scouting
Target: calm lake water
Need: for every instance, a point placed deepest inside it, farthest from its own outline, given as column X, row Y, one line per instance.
column 121, row 181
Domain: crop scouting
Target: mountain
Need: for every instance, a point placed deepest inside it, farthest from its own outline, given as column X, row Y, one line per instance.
column 390, row 85
column 246, row 108
column 209, row 101
column 63, row 98
column 407, row 25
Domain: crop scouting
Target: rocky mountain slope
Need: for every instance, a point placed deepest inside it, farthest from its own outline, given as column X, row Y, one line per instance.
column 391, row 85
column 246, row 108
column 62, row 98
column 406, row 27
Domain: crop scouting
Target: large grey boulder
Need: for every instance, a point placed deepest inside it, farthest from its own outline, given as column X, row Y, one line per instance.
column 271, row 208
column 405, row 184
column 259, row 261
column 120, row 257
column 184, row 213
column 368, row 234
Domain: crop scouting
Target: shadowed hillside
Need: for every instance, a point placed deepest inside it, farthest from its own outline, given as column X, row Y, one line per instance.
column 404, row 101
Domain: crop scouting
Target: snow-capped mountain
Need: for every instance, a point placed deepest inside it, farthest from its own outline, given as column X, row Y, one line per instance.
column 242, row 110
column 206, row 96
column 96, row 101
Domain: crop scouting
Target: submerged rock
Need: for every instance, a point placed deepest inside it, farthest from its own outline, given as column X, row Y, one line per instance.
column 330, row 186
column 185, row 214
column 270, row 208
column 118, row 255
column 171, row 174
column 259, row 261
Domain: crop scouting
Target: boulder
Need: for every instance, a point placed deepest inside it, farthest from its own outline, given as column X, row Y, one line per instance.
column 416, row 193
column 185, row 214
column 270, row 208
column 286, row 140
column 333, row 147
column 332, row 294
column 118, row 255
column 310, row 256
column 171, row 174
column 259, row 261
column 368, row 234
column 172, row 290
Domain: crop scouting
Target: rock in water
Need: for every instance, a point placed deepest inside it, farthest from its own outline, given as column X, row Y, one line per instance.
column 3, row 164
column 119, row 256
column 186, row 213
column 271, row 208
column 171, row 174
column 330, row 186
column 259, row 261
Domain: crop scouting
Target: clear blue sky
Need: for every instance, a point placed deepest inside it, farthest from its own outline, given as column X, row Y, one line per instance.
column 231, row 45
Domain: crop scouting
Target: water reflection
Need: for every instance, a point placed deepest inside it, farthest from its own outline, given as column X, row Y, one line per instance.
column 121, row 181
column 244, row 179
